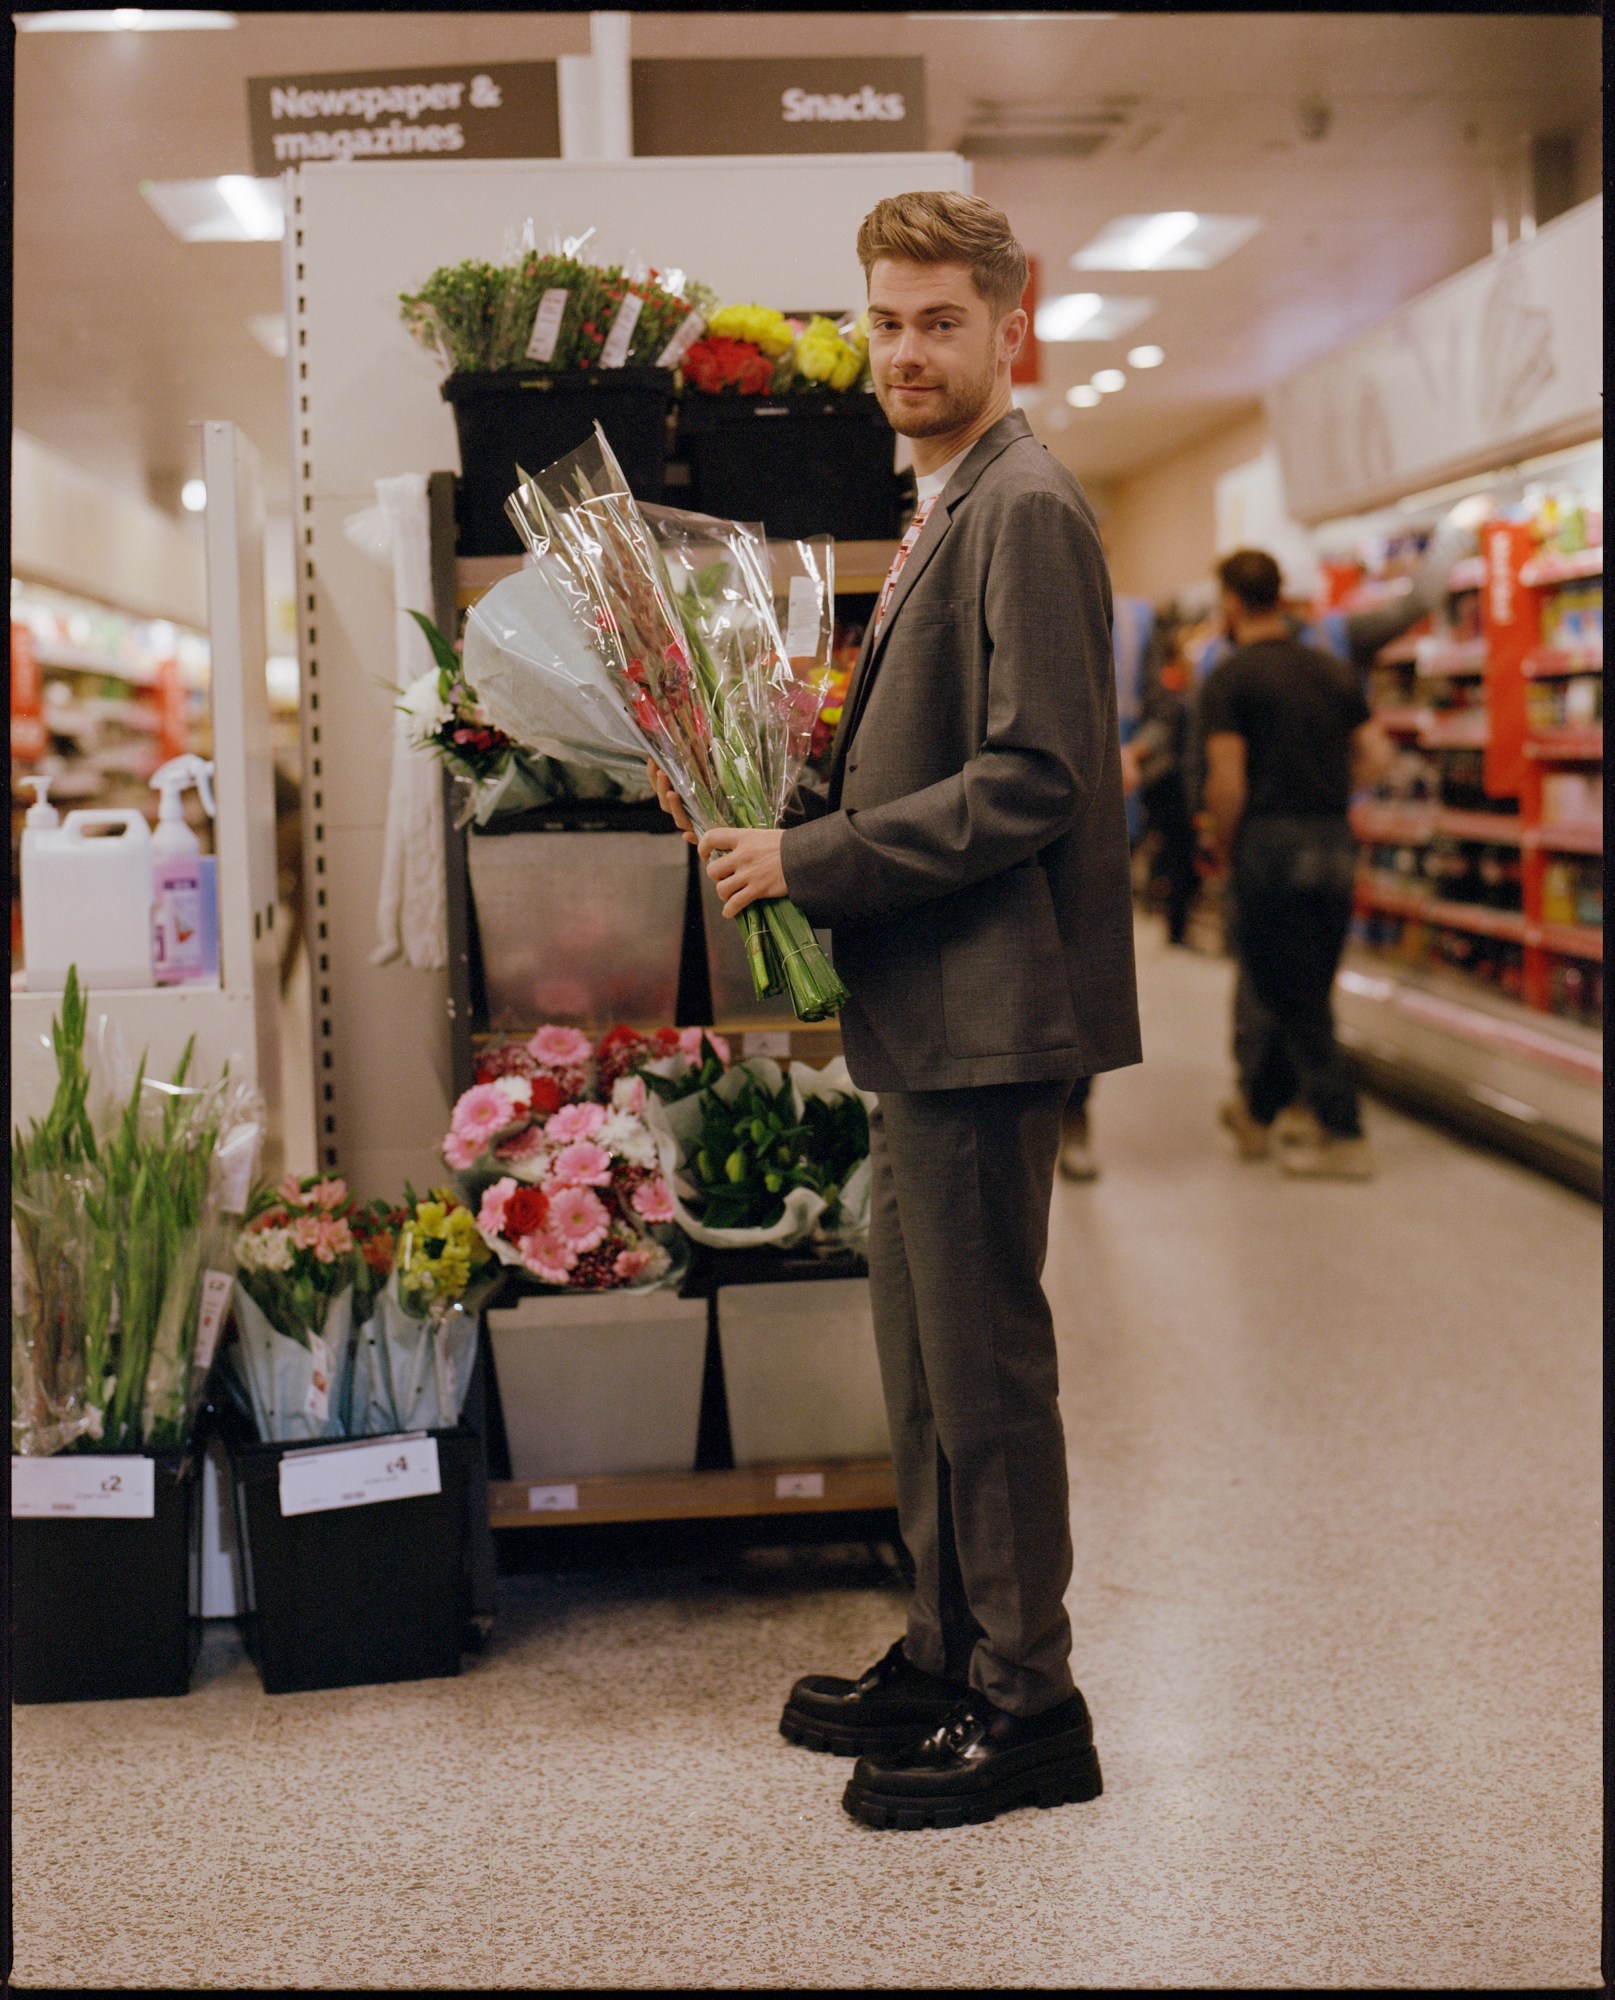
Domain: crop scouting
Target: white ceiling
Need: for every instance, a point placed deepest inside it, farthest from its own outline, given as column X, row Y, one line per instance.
column 124, row 336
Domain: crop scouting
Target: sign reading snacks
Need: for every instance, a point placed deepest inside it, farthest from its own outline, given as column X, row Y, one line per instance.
column 481, row 111
column 775, row 104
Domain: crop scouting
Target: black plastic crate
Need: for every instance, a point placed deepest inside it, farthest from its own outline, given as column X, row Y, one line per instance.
column 106, row 1610
column 354, row 1595
column 510, row 417
column 802, row 464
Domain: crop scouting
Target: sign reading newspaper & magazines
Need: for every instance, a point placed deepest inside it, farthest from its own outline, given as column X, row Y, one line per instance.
column 487, row 111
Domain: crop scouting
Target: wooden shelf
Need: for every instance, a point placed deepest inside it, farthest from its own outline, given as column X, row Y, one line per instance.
column 1551, row 567
column 1469, row 729
column 859, row 1486
column 1567, row 839
column 1385, row 825
column 1499, row 829
column 1568, row 940
column 1450, row 659
column 1566, row 746
column 1549, row 663
column 1507, row 924
column 1411, row 721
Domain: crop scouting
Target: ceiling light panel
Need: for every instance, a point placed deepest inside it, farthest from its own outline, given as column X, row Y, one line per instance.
column 1172, row 240
column 1083, row 396
column 1145, row 357
column 123, row 20
column 1090, row 316
column 233, row 208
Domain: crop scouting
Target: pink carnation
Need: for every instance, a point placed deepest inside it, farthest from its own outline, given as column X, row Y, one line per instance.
column 654, row 1200
column 291, row 1190
column 509, row 1059
column 334, row 1239
column 547, row 1256
column 491, row 1215
column 583, row 1164
column 560, row 1047
column 581, row 1217
column 327, row 1194
column 483, row 1111
column 461, row 1153
column 631, row 1264
column 690, row 1040
column 576, row 1121
column 306, row 1232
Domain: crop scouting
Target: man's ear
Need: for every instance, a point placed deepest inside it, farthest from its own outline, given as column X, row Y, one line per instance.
column 1012, row 331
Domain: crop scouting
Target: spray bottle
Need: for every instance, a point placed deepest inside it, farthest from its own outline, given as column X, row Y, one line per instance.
column 181, row 879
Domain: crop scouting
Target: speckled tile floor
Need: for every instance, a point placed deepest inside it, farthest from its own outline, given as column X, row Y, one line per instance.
column 1335, row 1495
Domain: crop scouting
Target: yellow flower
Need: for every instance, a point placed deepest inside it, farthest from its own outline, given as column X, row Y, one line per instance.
column 823, row 356
column 761, row 325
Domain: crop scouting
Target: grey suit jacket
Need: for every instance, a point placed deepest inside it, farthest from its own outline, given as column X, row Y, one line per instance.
column 970, row 856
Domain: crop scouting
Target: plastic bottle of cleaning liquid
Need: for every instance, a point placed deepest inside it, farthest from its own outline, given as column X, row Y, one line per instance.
column 86, row 897
column 178, row 879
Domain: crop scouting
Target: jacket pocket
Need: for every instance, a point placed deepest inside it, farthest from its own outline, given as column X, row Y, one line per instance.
column 1005, row 990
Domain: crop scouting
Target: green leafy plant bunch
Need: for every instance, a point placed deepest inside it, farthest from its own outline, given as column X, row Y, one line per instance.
column 753, row 1149
column 476, row 316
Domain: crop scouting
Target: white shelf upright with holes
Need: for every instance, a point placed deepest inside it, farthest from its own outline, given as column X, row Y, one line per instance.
column 237, row 1022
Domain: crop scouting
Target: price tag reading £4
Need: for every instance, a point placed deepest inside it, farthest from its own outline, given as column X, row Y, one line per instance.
column 358, row 1474
column 93, row 1488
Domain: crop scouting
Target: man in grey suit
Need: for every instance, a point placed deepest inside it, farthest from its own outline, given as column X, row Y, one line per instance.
column 971, row 860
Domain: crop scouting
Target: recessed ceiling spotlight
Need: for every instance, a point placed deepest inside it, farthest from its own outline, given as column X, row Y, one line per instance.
column 1083, row 397
column 121, row 20
column 1088, row 316
column 1109, row 380
column 1173, row 240
column 1145, row 357
column 193, row 496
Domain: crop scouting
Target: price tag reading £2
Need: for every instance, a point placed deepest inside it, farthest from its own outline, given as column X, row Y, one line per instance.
column 216, row 1286
column 358, row 1475
column 90, row 1487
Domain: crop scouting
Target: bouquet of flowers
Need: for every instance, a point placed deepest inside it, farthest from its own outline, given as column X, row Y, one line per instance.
column 760, row 1156
column 752, row 350
column 418, row 1346
column 121, row 1252
column 493, row 774
column 290, row 1366
column 595, row 645
column 475, row 317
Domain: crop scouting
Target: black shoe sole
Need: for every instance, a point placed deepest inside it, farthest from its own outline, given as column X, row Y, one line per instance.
column 841, row 1740
column 1070, row 1784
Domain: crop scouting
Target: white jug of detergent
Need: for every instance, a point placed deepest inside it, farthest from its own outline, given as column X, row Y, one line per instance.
column 86, row 898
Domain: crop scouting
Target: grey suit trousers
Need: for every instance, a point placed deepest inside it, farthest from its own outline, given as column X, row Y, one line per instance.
column 958, row 1230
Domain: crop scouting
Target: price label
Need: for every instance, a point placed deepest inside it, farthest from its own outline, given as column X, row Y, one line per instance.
column 552, row 1499
column 210, row 1315
column 799, row 1486
column 690, row 330
column 615, row 351
column 359, row 1474
column 772, row 1042
column 802, row 619
column 547, row 325
column 317, row 1403
column 118, row 1489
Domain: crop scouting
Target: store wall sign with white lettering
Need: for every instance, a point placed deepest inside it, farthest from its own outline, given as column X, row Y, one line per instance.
column 488, row 111
column 775, row 104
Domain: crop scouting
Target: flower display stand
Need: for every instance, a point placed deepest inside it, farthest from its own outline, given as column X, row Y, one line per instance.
column 511, row 416
column 800, row 1372
column 808, row 463
column 601, row 1382
column 106, row 1610
column 352, row 1595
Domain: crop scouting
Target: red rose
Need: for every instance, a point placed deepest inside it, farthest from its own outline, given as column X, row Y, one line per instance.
column 546, row 1095
column 526, row 1210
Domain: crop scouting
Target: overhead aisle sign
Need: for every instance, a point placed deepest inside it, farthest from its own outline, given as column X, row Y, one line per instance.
column 779, row 104
column 1501, row 362
column 459, row 111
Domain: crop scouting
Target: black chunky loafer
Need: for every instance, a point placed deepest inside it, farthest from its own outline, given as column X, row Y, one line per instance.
column 979, row 1762
column 891, row 1706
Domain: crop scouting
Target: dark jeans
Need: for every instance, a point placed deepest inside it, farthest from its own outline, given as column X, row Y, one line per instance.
column 1167, row 812
column 1292, row 889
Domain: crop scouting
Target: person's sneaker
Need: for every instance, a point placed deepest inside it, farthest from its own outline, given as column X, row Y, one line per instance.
column 1077, row 1162
column 1250, row 1138
column 1297, row 1125
column 892, row 1705
column 979, row 1762
column 1332, row 1158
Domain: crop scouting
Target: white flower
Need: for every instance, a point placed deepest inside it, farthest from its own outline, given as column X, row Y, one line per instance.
column 519, row 1089
column 265, row 1249
column 624, row 1135
column 425, row 709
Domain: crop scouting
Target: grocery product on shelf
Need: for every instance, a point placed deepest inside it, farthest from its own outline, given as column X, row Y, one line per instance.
column 86, row 898
column 183, row 887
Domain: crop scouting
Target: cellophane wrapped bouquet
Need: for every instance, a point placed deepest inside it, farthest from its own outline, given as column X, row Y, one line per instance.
column 553, row 1155
column 123, row 1232
column 649, row 633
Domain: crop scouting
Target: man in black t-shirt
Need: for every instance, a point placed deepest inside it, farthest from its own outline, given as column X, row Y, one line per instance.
column 1288, row 738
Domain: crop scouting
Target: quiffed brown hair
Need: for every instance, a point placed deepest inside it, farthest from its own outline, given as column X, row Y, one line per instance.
column 941, row 228
column 1253, row 577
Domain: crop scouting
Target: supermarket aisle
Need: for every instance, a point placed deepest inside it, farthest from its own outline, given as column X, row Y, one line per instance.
column 1335, row 1460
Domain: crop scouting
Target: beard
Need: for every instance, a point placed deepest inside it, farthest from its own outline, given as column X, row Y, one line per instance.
column 949, row 408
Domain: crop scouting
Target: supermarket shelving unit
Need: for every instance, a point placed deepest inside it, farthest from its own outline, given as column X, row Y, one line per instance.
column 800, row 1501
column 1502, row 1064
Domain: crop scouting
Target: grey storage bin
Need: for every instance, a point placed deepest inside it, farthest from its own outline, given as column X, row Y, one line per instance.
column 800, row 1372
column 581, row 928
column 600, row 1382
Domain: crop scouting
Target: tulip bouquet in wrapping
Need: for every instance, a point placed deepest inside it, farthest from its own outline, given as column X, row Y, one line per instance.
column 646, row 632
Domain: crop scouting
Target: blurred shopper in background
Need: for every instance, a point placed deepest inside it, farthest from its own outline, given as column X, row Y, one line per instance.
column 1153, row 763
column 1287, row 737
